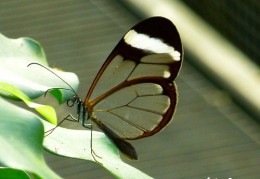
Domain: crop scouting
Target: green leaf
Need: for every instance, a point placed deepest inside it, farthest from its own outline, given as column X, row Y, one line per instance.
column 76, row 144
column 21, row 137
column 16, row 55
column 13, row 173
column 46, row 111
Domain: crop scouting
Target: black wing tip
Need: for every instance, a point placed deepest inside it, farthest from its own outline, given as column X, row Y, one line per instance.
column 126, row 148
column 129, row 151
column 162, row 28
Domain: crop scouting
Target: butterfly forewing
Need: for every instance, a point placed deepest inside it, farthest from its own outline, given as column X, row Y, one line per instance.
column 133, row 93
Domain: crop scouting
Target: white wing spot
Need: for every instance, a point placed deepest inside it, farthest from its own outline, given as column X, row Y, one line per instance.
column 166, row 74
column 144, row 42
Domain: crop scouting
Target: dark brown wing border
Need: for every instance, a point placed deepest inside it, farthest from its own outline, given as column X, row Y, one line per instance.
column 157, row 27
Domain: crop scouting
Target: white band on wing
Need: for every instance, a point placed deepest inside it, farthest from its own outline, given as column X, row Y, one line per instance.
column 144, row 42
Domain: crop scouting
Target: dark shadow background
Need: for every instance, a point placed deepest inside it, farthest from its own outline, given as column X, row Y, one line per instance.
column 238, row 21
column 210, row 136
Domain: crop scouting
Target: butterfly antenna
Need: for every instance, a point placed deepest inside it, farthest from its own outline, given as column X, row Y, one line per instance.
column 55, row 75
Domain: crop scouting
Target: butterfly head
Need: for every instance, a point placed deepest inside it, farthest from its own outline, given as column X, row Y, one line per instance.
column 74, row 99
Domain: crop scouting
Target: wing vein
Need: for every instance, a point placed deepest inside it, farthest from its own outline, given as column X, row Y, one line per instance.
column 129, row 122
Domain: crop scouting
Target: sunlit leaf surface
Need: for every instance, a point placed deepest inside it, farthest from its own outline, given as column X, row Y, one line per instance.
column 34, row 81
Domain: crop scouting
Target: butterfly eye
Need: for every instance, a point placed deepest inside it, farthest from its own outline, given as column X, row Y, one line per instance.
column 72, row 100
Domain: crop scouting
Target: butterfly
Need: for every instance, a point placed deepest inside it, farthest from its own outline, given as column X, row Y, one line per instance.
column 134, row 95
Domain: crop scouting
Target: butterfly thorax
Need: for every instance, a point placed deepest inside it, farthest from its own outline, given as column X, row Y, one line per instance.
column 82, row 114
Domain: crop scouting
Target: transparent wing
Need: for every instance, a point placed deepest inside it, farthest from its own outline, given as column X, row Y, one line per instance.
column 133, row 93
column 138, row 110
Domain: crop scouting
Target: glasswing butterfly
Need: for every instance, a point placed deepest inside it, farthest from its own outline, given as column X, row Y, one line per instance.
column 134, row 95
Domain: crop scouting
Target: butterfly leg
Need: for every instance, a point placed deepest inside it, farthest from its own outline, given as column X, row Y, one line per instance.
column 69, row 118
column 94, row 155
